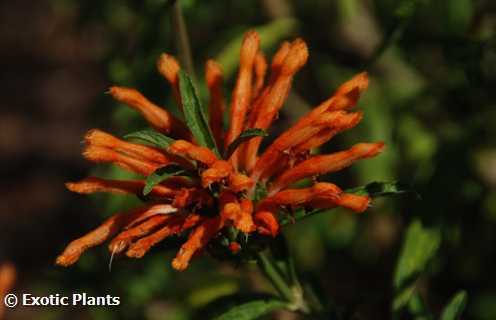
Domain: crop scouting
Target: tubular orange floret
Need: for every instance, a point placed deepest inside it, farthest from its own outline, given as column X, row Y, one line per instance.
column 348, row 93
column 230, row 212
column 345, row 97
column 272, row 102
column 100, row 138
column 174, row 226
column 107, row 229
column 277, row 61
column 186, row 197
column 326, row 134
column 318, row 165
column 93, row 184
column 216, row 106
column 239, row 182
column 158, row 118
column 245, row 220
column 198, row 239
column 187, row 149
column 300, row 197
column 169, row 68
column 148, row 211
column 260, row 69
column 105, row 155
column 266, row 223
column 296, row 58
column 219, row 171
column 298, row 136
column 239, row 214
column 350, row 201
column 241, row 96
column 124, row 238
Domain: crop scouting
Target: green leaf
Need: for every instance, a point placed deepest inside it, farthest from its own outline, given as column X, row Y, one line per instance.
column 151, row 137
column 194, row 114
column 418, row 308
column 260, row 192
column 243, row 137
column 419, row 247
column 162, row 174
column 253, row 309
column 455, row 307
column 379, row 189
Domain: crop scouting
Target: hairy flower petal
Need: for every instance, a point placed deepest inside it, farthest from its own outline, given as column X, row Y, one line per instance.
column 271, row 103
column 123, row 239
column 318, row 165
column 107, row 229
column 241, row 96
column 260, row 69
column 106, row 155
column 149, row 211
column 198, row 239
column 219, row 170
column 297, row 135
column 96, row 137
column 169, row 68
column 158, row 118
column 353, row 202
column 188, row 150
column 345, row 97
column 266, row 223
column 216, row 106
column 239, row 182
column 176, row 225
column 299, row 197
column 93, row 184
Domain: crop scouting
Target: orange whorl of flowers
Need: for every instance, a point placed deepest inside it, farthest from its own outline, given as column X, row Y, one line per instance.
column 219, row 199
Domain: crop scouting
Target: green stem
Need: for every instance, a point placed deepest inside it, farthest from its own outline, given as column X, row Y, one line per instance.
column 182, row 39
column 293, row 293
column 395, row 33
column 268, row 268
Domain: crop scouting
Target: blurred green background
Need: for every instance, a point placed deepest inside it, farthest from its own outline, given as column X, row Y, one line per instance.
column 431, row 99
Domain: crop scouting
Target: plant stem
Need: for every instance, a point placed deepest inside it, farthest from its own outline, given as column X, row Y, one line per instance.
column 291, row 293
column 405, row 13
column 392, row 36
column 182, row 39
column 268, row 268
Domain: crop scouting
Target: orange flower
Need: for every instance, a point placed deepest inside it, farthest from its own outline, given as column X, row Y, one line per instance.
column 7, row 280
column 217, row 199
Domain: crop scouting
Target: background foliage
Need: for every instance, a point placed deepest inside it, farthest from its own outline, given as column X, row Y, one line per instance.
column 433, row 73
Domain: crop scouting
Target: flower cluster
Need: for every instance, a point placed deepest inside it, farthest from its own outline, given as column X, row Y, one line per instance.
column 214, row 197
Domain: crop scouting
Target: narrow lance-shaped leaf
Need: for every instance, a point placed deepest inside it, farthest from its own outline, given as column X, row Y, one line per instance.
column 243, row 137
column 373, row 190
column 454, row 310
column 419, row 247
column 253, row 309
column 195, row 116
column 151, row 137
column 379, row 189
column 160, row 175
